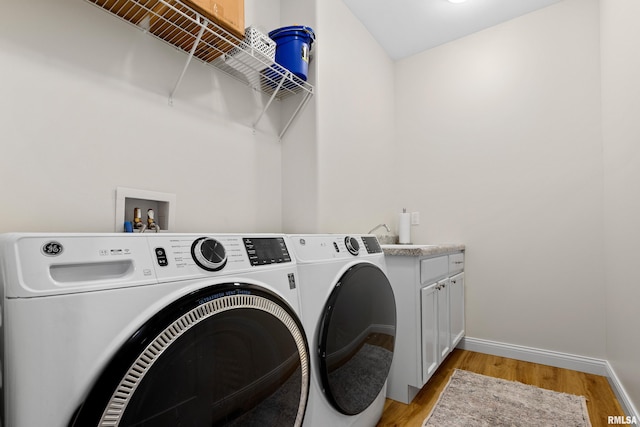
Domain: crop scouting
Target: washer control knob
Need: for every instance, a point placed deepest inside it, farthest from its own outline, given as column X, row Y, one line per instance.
column 352, row 245
column 209, row 254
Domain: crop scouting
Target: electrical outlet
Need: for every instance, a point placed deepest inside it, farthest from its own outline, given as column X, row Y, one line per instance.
column 415, row 218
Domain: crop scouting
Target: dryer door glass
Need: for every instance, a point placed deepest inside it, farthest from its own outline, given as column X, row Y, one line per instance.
column 356, row 339
column 232, row 355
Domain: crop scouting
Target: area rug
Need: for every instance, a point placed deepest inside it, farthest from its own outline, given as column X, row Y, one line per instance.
column 473, row 400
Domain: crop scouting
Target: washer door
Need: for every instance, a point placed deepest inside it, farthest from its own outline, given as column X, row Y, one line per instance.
column 226, row 355
column 356, row 338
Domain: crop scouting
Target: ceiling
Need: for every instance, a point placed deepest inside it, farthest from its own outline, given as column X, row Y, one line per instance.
column 406, row 27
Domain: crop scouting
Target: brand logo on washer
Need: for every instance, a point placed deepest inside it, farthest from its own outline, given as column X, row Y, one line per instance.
column 52, row 249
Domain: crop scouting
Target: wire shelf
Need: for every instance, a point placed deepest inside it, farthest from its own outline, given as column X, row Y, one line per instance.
column 175, row 23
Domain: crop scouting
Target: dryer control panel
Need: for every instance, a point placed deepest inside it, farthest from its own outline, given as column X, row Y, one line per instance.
column 371, row 244
column 316, row 247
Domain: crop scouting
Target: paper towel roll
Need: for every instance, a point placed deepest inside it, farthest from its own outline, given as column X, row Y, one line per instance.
column 404, row 228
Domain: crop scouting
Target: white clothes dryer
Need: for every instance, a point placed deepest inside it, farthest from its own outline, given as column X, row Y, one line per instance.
column 349, row 316
column 150, row 330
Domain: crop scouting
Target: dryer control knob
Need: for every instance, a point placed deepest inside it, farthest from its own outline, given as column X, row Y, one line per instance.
column 209, row 254
column 352, row 245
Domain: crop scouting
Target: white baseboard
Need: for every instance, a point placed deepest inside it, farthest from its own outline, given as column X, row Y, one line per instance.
column 535, row 355
column 626, row 403
column 589, row 365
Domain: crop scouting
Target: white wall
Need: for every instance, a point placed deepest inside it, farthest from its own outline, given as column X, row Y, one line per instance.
column 621, row 129
column 333, row 176
column 85, row 110
column 355, row 124
column 299, row 147
column 500, row 139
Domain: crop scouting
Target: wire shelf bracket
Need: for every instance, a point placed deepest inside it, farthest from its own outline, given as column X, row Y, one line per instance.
column 189, row 58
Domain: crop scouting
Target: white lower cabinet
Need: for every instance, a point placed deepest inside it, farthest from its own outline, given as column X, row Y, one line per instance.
column 444, row 323
column 456, row 307
column 429, row 296
column 436, row 326
column 429, row 318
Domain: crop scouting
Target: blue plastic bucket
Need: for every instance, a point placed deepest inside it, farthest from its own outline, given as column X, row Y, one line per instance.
column 292, row 48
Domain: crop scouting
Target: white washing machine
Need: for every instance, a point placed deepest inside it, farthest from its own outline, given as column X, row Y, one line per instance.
column 150, row 330
column 349, row 315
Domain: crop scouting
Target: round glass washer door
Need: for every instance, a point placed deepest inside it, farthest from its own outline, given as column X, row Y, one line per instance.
column 227, row 355
column 356, row 338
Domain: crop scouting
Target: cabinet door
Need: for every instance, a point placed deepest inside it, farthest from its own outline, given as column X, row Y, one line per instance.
column 444, row 326
column 456, row 296
column 429, row 335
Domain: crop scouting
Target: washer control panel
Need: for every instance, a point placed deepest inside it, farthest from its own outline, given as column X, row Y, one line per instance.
column 184, row 256
column 266, row 250
column 209, row 253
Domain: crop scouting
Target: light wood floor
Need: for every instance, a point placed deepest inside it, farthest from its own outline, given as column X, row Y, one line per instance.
column 601, row 401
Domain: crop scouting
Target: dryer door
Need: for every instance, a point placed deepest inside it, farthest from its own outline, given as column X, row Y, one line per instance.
column 356, row 339
column 226, row 355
